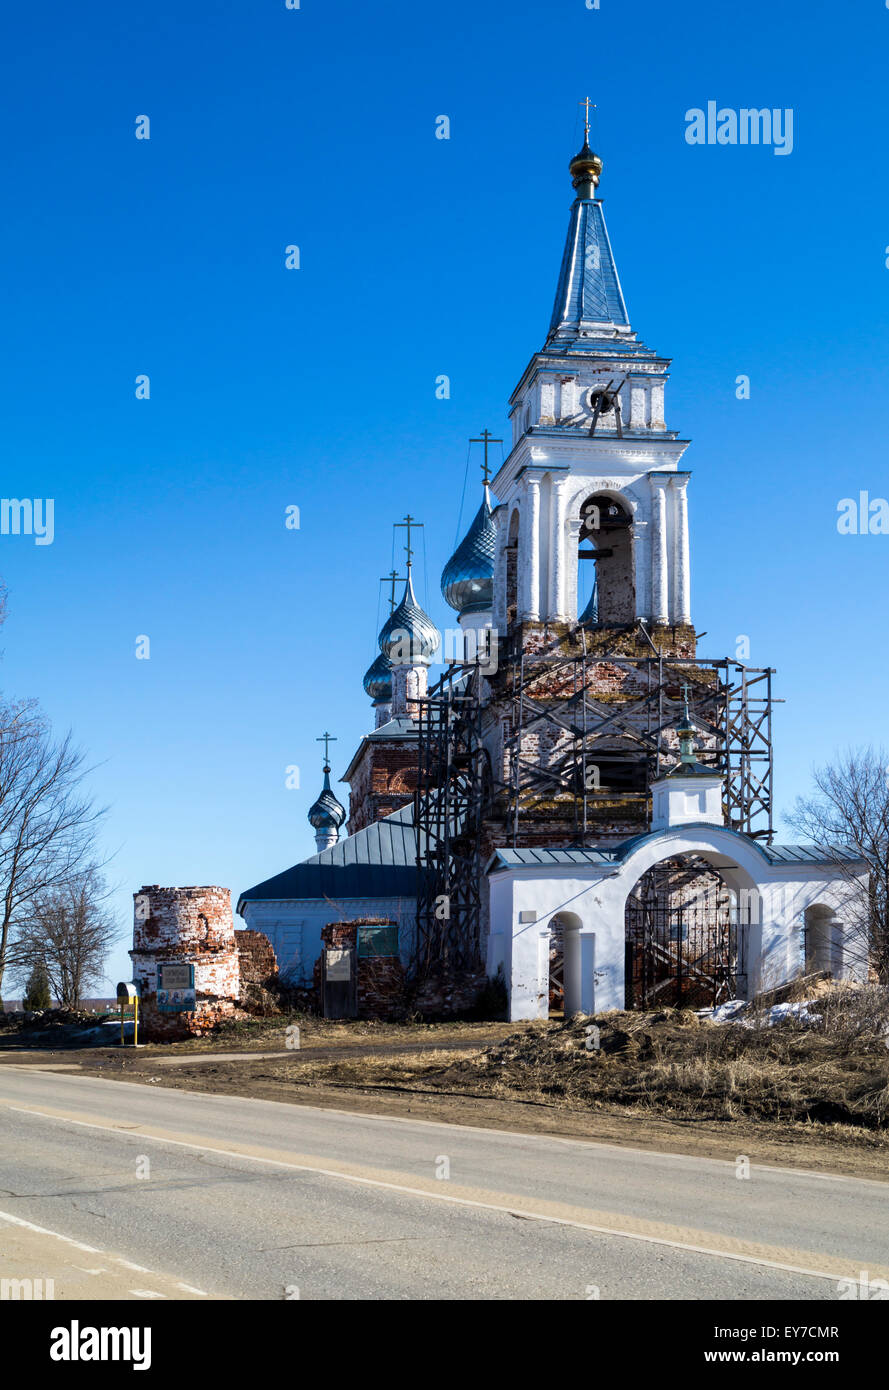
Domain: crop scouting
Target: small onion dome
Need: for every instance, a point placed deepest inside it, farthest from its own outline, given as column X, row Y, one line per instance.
column 688, row 765
column 467, row 581
column 585, row 167
column 378, row 679
column 409, row 637
column 327, row 813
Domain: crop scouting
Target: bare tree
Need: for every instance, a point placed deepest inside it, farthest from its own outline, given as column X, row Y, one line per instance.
column 848, row 816
column 47, row 822
column 68, row 933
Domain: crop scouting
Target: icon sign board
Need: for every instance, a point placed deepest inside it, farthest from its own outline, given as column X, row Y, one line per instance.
column 175, row 989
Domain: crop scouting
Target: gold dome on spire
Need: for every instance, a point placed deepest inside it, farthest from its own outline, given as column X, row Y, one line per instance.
column 586, row 167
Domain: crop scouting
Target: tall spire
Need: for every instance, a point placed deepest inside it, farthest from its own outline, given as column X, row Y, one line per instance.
column 589, row 305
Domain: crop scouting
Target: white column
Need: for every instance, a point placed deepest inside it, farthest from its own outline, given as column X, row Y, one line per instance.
column 637, row 407
column 556, row 604
column 657, row 406
column 530, row 579
column 570, row 587
column 659, row 570
column 682, row 595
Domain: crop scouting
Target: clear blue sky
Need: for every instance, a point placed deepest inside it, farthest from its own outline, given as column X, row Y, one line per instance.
column 315, row 387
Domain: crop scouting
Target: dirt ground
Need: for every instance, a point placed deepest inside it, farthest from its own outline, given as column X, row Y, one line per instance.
column 786, row 1097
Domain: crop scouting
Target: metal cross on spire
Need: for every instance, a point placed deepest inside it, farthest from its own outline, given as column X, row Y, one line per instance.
column 408, row 523
column 392, row 578
column 486, row 438
column 326, row 739
column 586, row 103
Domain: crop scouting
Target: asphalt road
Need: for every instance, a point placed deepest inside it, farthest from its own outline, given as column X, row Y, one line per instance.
column 254, row 1199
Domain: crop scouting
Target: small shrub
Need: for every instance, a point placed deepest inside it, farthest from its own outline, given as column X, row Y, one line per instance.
column 37, row 995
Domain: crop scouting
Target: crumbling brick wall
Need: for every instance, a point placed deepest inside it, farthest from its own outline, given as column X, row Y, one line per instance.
column 185, row 926
column 381, row 980
column 256, row 958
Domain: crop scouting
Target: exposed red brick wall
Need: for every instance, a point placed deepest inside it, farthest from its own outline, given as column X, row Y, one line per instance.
column 186, row 926
column 256, row 957
column 384, row 780
column 381, row 982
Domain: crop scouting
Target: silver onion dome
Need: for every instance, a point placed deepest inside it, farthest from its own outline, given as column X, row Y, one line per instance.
column 409, row 637
column 378, row 679
column 467, row 581
column 326, row 813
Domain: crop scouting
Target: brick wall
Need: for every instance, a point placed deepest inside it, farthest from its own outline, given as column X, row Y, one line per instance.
column 384, row 780
column 256, row 958
column 381, row 982
column 186, row 926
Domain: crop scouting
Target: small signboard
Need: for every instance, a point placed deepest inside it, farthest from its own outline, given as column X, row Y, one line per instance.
column 175, row 989
column 378, row 940
column 339, row 964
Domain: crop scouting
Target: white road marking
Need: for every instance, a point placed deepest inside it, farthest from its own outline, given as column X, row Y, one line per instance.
column 188, row 1288
column 502, row 1209
column 42, row 1231
column 91, row 1249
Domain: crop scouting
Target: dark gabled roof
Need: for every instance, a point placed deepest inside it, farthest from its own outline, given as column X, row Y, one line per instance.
column 379, row 861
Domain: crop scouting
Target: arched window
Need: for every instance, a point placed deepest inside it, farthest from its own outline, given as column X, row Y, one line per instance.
column 606, row 582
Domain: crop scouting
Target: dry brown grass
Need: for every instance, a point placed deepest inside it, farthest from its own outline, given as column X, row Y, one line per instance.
column 668, row 1063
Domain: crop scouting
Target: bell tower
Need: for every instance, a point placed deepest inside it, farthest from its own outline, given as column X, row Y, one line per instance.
column 593, row 523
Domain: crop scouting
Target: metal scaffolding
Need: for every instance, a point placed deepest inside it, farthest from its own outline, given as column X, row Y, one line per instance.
column 452, row 788
column 600, row 753
column 730, row 705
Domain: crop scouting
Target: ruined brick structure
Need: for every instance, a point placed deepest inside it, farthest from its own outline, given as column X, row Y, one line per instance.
column 186, row 926
column 380, row 985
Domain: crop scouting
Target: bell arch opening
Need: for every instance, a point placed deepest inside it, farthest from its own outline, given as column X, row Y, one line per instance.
column 606, row 577
column 685, row 937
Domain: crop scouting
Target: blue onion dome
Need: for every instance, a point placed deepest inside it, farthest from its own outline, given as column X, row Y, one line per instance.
column 409, row 637
column 378, row 680
column 327, row 813
column 467, row 581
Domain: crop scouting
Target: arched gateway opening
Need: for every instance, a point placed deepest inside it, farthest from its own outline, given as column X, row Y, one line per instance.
column 685, row 935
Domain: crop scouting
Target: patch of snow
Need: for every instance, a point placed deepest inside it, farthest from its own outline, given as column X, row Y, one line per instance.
column 740, row 1011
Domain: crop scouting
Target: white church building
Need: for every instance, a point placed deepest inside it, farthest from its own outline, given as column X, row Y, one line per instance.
column 592, row 463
